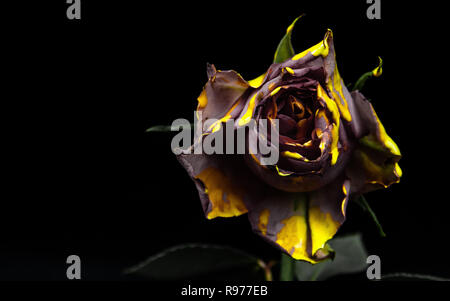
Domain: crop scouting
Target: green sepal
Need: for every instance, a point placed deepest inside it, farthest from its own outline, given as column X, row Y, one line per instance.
column 359, row 85
column 285, row 50
column 164, row 128
column 361, row 201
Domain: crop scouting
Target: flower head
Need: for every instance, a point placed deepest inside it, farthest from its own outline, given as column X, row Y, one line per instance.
column 332, row 148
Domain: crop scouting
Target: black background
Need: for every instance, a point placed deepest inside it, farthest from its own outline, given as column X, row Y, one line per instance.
column 81, row 176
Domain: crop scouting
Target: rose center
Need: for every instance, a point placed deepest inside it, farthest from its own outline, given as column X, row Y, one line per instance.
column 295, row 117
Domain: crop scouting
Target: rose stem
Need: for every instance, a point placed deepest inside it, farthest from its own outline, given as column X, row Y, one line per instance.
column 287, row 268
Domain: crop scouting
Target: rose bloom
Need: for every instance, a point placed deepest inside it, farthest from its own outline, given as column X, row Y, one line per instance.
column 332, row 148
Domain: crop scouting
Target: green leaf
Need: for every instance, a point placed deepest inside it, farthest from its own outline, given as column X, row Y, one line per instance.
column 361, row 201
column 350, row 257
column 159, row 128
column 194, row 261
column 164, row 128
column 285, row 49
column 409, row 277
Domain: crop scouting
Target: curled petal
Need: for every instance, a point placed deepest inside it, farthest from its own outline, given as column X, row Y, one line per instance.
column 221, row 94
column 375, row 161
column 338, row 91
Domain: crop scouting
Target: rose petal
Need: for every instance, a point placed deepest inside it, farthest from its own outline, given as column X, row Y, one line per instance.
column 300, row 224
column 375, row 162
column 338, row 91
column 221, row 92
column 224, row 183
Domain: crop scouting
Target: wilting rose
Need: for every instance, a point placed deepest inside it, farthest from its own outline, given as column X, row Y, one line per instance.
column 332, row 148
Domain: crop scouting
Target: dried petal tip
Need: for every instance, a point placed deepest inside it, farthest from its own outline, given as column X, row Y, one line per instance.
column 290, row 27
column 378, row 70
column 210, row 70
